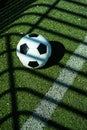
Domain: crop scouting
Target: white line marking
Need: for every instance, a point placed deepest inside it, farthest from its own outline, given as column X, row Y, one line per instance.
column 46, row 107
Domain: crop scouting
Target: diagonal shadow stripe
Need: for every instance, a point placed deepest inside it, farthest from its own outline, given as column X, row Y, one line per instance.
column 12, row 11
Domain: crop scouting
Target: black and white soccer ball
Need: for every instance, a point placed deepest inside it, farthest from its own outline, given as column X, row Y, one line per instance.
column 33, row 51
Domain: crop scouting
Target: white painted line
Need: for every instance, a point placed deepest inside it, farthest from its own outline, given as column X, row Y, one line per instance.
column 46, row 107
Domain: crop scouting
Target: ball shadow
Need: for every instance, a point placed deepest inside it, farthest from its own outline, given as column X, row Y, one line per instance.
column 58, row 51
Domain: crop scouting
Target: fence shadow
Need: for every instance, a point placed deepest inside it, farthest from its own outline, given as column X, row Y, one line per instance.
column 11, row 10
column 58, row 50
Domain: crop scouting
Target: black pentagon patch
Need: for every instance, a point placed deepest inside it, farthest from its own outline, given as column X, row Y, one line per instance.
column 42, row 48
column 33, row 64
column 24, row 48
column 33, row 35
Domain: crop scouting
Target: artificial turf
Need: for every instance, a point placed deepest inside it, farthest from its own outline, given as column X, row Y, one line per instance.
column 21, row 89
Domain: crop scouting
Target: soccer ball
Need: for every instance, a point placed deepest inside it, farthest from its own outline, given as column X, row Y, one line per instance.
column 33, row 51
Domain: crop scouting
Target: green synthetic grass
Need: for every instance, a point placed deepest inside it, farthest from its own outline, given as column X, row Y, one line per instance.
column 22, row 89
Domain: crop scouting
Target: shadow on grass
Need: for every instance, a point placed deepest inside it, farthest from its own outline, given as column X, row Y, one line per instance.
column 2, row 3
column 58, row 50
column 11, row 10
column 50, row 123
column 76, row 3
